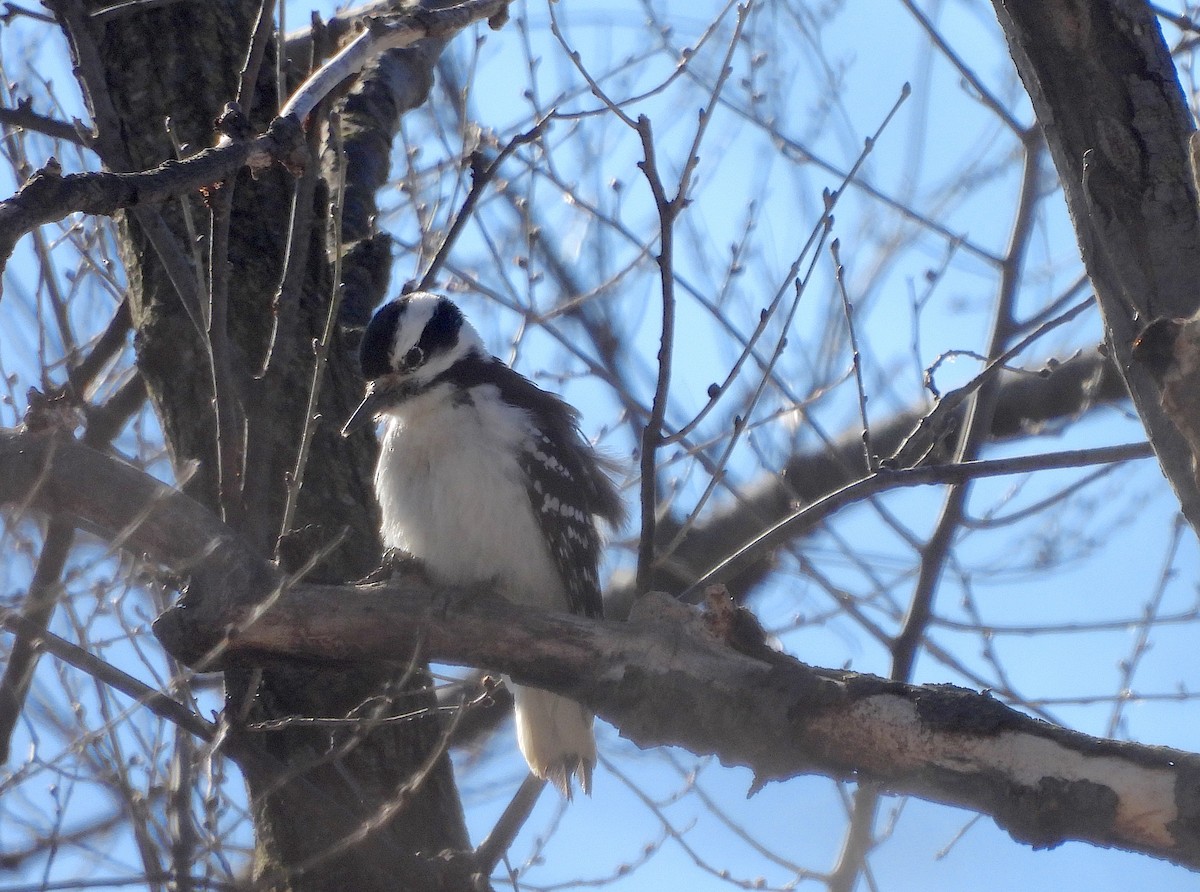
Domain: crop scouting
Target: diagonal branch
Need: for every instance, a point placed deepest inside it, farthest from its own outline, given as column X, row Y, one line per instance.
column 383, row 34
column 1024, row 403
column 53, row 473
column 671, row 676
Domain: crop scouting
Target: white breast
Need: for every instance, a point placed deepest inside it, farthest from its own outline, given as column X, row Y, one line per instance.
column 453, row 495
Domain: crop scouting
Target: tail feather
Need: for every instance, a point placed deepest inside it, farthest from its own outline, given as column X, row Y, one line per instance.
column 556, row 738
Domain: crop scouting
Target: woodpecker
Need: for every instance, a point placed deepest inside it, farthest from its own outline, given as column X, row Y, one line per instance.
column 486, row 479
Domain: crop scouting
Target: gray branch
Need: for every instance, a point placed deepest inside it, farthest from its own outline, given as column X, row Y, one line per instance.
column 703, row 681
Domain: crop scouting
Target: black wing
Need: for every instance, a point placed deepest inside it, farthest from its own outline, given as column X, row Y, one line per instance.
column 557, row 486
column 567, row 485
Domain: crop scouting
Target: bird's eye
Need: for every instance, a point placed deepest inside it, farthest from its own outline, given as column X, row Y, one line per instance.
column 414, row 357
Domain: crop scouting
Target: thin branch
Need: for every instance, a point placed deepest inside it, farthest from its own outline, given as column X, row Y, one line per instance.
column 973, row 436
column 264, row 29
column 886, row 479
column 36, row 611
column 856, row 357
column 228, row 390
column 110, row 342
column 49, row 196
column 25, row 117
column 295, row 261
column 481, row 175
column 859, row 840
column 815, row 241
column 669, row 210
column 652, row 432
column 933, row 426
column 12, row 10
column 321, row 348
column 398, row 802
column 516, row 813
column 130, row 7
column 292, row 723
column 816, row 236
column 1151, row 615
column 158, row 703
column 993, row 104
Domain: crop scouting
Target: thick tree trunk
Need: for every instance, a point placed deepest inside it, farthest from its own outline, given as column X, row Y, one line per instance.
column 1108, row 99
column 310, row 791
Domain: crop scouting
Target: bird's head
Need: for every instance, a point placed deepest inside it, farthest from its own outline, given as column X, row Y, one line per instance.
column 409, row 342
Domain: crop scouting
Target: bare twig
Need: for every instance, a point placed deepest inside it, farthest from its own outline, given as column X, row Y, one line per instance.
column 24, row 116
column 228, row 393
column 263, row 31
column 12, row 10
column 481, row 175
column 1150, row 617
column 856, row 357
column 35, row 617
column 652, row 433
column 934, row 425
column 321, row 347
column 129, row 7
column 158, row 703
column 295, row 257
column 50, row 196
column 669, row 210
column 816, row 239
column 884, row 479
column 388, row 810
column 990, row 101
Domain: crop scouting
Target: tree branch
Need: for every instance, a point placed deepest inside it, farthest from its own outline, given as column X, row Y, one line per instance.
column 1108, row 99
column 382, row 35
column 24, row 116
column 52, row 473
column 49, row 196
column 675, row 683
column 670, row 677
column 1025, row 403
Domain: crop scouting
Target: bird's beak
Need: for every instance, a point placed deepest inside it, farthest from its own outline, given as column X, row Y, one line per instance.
column 368, row 410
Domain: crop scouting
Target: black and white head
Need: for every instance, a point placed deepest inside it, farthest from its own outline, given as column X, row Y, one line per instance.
column 410, row 343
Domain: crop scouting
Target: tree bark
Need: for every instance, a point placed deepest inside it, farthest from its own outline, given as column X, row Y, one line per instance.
column 310, row 790
column 699, row 681
column 1107, row 96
